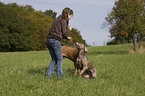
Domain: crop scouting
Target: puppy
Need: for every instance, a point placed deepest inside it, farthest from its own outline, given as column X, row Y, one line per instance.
column 87, row 69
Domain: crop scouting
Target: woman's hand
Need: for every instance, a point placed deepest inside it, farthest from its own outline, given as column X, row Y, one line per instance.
column 69, row 38
column 70, row 28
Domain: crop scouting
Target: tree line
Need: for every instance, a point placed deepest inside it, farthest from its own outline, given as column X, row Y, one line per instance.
column 24, row 29
column 127, row 20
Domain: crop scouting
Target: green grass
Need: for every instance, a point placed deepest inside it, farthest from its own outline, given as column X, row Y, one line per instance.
column 118, row 74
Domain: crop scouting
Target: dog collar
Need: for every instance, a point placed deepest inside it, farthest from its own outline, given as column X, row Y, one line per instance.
column 81, row 57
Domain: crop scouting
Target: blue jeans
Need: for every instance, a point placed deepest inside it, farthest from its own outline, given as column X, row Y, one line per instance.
column 55, row 50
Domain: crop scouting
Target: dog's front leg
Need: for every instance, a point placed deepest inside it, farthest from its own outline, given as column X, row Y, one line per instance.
column 84, row 69
column 76, row 66
column 76, row 70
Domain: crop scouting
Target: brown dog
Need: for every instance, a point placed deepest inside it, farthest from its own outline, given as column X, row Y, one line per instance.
column 70, row 53
column 82, row 63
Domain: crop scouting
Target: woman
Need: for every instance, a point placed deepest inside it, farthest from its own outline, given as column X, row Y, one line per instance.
column 58, row 31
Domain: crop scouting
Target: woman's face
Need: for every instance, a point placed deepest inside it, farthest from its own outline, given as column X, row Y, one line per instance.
column 69, row 16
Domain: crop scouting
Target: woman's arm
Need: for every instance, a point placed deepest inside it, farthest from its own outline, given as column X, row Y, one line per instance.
column 65, row 29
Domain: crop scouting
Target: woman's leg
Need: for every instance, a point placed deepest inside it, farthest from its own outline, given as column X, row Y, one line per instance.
column 59, row 57
column 52, row 63
column 55, row 49
column 50, row 45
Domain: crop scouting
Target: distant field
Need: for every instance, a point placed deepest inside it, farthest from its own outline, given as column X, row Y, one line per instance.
column 118, row 74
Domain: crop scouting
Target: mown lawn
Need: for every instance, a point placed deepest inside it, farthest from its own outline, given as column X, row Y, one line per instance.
column 118, row 74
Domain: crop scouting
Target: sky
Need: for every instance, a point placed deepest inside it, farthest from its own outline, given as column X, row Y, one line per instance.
column 89, row 15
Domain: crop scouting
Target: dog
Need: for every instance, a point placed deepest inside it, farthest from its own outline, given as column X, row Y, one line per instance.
column 70, row 53
column 87, row 69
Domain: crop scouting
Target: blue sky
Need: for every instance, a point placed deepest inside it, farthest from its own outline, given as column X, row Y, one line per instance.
column 88, row 15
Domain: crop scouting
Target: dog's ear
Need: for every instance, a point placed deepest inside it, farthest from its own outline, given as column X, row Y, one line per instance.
column 86, row 50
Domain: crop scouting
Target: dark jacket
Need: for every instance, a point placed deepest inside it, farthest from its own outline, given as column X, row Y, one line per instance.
column 59, row 29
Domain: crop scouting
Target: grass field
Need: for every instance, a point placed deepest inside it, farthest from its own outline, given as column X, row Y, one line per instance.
column 118, row 74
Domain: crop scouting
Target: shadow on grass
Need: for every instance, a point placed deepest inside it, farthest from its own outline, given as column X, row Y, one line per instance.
column 38, row 71
column 69, row 72
column 43, row 71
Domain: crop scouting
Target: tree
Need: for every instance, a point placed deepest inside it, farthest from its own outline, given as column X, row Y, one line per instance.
column 50, row 13
column 126, row 19
column 24, row 29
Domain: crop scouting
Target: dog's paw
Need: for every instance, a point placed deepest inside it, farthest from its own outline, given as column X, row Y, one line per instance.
column 86, row 76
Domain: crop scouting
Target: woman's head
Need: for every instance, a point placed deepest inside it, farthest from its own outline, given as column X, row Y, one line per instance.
column 67, row 13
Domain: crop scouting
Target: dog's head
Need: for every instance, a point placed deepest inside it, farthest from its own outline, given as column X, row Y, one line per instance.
column 81, row 47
